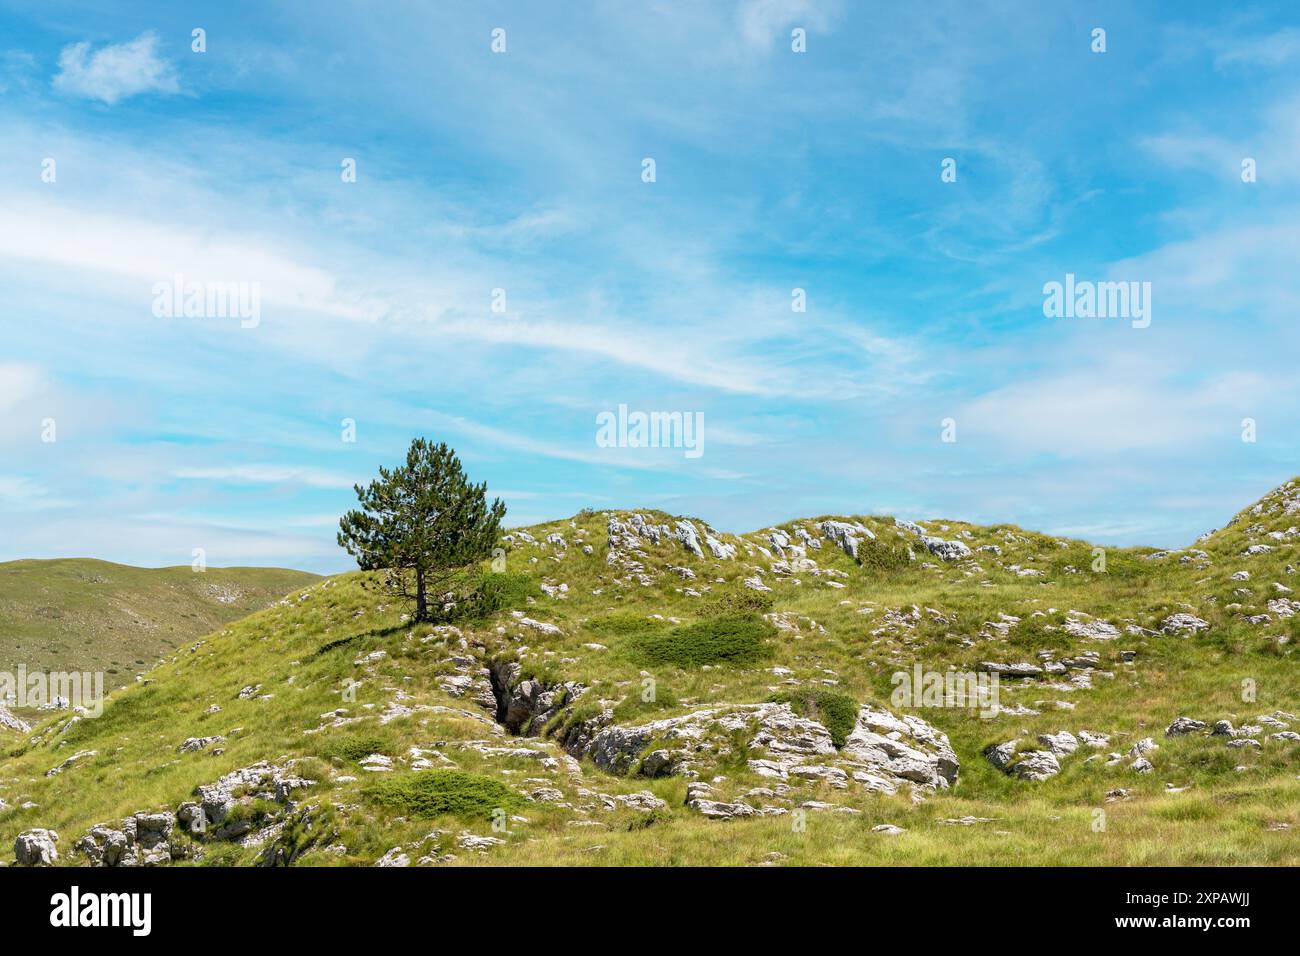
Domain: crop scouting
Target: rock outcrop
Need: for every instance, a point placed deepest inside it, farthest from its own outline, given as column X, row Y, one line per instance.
column 847, row 536
column 631, row 537
column 883, row 752
column 145, row 839
column 9, row 722
column 249, row 805
column 229, row 808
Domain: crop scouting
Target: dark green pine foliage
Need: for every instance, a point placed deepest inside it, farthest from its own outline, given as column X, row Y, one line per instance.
column 422, row 523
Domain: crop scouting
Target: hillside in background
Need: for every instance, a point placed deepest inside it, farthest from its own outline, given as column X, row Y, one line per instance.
column 636, row 688
column 87, row 615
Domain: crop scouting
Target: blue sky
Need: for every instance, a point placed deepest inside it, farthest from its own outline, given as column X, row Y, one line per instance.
column 522, row 171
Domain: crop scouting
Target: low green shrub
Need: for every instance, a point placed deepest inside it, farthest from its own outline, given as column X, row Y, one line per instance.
column 1120, row 564
column 875, row 555
column 431, row 793
column 735, row 639
column 351, row 747
column 731, row 603
column 493, row 591
column 632, row 707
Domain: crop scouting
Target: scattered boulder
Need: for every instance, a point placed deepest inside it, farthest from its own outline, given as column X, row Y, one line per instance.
column 1284, row 607
column 1143, row 746
column 946, row 550
column 539, row 626
column 1035, row 765
column 193, row 744
column 643, row 801
column 1023, row 669
column 1183, row 726
column 1061, row 744
column 1094, row 629
column 716, row 810
column 697, row 799
column 81, row 755
column 36, row 847
column 469, row 841
column 1183, row 623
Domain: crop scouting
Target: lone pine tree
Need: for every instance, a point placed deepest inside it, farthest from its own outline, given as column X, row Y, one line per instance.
column 421, row 522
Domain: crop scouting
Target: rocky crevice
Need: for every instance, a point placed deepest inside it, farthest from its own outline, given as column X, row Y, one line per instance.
column 525, row 705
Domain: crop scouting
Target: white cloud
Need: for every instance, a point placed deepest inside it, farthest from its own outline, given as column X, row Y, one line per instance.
column 156, row 252
column 690, row 361
column 115, row 72
column 763, row 21
column 1124, row 406
column 1270, row 50
column 267, row 475
column 1239, row 270
column 17, row 70
column 499, row 438
column 14, row 490
column 19, row 381
column 1273, row 143
column 718, row 355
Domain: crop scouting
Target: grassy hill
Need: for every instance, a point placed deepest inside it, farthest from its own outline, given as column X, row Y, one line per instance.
column 634, row 689
column 87, row 615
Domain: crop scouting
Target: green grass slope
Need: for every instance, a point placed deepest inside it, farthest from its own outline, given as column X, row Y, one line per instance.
column 398, row 745
column 86, row 615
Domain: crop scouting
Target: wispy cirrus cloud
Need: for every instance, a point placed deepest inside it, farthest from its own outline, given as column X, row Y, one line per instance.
column 266, row 475
column 1268, row 50
column 24, row 492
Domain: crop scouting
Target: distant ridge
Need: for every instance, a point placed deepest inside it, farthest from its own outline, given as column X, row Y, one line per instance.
column 91, row 615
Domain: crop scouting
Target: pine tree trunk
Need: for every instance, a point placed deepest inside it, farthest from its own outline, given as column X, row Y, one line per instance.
column 421, row 598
